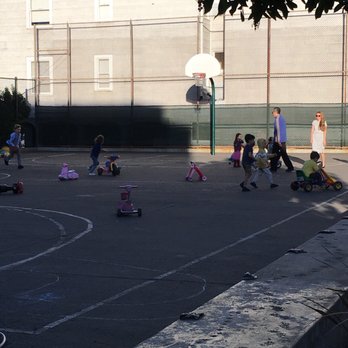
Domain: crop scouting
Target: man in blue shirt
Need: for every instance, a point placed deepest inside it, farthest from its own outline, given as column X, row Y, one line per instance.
column 279, row 146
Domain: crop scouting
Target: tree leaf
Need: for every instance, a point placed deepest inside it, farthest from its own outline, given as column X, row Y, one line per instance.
column 223, row 6
column 338, row 7
column 311, row 5
column 318, row 12
column 242, row 18
column 291, row 5
column 207, row 4
column 327, row 5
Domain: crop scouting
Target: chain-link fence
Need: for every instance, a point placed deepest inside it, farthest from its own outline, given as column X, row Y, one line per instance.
column 299, row 64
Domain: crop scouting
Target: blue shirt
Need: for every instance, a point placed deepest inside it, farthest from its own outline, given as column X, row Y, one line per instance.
column 15, row 139
column 96, row 150
column 246, row 160
column 280, row 124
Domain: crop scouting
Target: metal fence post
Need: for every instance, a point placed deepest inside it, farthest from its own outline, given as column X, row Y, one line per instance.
column 16, row 97
column 212, row 117
column 344, row 80
column 268, row 88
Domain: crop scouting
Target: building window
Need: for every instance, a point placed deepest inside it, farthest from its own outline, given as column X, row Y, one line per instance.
column 220, row 56
column 103, row 10
column 39, row 12
column 45, row 74
column 219, row 80
column 103, row 73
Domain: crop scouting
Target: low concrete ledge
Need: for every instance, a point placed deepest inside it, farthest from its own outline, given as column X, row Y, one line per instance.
column 280, row 308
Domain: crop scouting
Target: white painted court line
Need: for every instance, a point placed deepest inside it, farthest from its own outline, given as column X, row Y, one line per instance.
column 179, row 269
column 4, row 176
column 52, row 249
column 60, row 227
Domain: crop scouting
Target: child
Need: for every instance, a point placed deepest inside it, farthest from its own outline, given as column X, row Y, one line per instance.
column 247, row 160
column 98, row 142
column 270, row 145
column 311, row 169
column 237, row 147
column 262, row 164
column 14, row 144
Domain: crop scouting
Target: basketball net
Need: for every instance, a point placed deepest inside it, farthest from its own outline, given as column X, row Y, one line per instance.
column 199, row 79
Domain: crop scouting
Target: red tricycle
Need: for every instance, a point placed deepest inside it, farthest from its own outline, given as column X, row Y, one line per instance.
column 16, row 188
column 126, row 206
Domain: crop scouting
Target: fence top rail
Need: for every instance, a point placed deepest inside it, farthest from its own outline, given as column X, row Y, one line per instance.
column 119, row 23
column 13, row 78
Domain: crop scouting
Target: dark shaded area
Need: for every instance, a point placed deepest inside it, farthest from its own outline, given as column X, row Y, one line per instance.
column 121, row 126
column 14, row 108
column 340, row 160
column 297, row 159
column 332, row 329
column 176, row 126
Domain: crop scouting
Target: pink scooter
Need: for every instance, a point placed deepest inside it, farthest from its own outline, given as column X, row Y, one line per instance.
column 194, row 168
column 66, row 174
column 125, row 206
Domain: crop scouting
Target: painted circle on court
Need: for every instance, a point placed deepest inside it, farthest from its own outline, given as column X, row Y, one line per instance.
column 4, row 176
column 43, row 214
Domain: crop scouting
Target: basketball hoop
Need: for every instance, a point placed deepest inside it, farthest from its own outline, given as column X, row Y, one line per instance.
column 199, row 79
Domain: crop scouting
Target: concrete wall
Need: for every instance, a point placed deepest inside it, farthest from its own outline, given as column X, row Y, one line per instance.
column 305, row 66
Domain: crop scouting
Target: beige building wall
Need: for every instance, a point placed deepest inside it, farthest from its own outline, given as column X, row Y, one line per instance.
column 147, row 58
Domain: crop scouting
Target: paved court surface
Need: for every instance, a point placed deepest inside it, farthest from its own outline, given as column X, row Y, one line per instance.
column 72, row 274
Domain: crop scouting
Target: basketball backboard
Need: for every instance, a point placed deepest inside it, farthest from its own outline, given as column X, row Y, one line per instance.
column 203, row 63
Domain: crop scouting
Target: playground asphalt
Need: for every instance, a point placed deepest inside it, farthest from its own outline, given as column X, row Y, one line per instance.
column 73, row 274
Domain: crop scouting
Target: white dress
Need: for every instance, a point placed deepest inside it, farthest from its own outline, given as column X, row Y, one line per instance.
column 318, row 137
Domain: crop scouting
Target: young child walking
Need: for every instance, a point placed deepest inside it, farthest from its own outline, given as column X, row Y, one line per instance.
column 14, row 144
column 98, row 142
column 262, row 164
column 237, row 148
column 247, row 160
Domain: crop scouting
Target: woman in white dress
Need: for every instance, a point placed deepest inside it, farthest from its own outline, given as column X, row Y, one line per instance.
column 318, row 135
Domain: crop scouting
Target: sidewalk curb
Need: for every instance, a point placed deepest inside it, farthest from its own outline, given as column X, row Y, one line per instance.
column 275, row 310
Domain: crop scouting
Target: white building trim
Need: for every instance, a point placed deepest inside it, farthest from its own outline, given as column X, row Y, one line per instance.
column 31, row 74
column 102, row 78
column 103, row 10
column 29, row 13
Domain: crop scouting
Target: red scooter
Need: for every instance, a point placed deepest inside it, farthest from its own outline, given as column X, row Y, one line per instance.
column 195, row 169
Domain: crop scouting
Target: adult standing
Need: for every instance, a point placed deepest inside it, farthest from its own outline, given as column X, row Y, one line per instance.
column 280, row 138
column 318, row 135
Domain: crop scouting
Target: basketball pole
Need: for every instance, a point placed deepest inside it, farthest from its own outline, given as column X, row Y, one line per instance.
column 212, row 117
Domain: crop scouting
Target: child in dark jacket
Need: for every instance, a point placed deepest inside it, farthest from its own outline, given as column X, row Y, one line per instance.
column 98, row 142
column 248, row 160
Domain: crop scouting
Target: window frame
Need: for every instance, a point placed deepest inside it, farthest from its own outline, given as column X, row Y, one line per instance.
column 29, row 14
column 30, row 73
column 97, row 58
column 97, row 11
